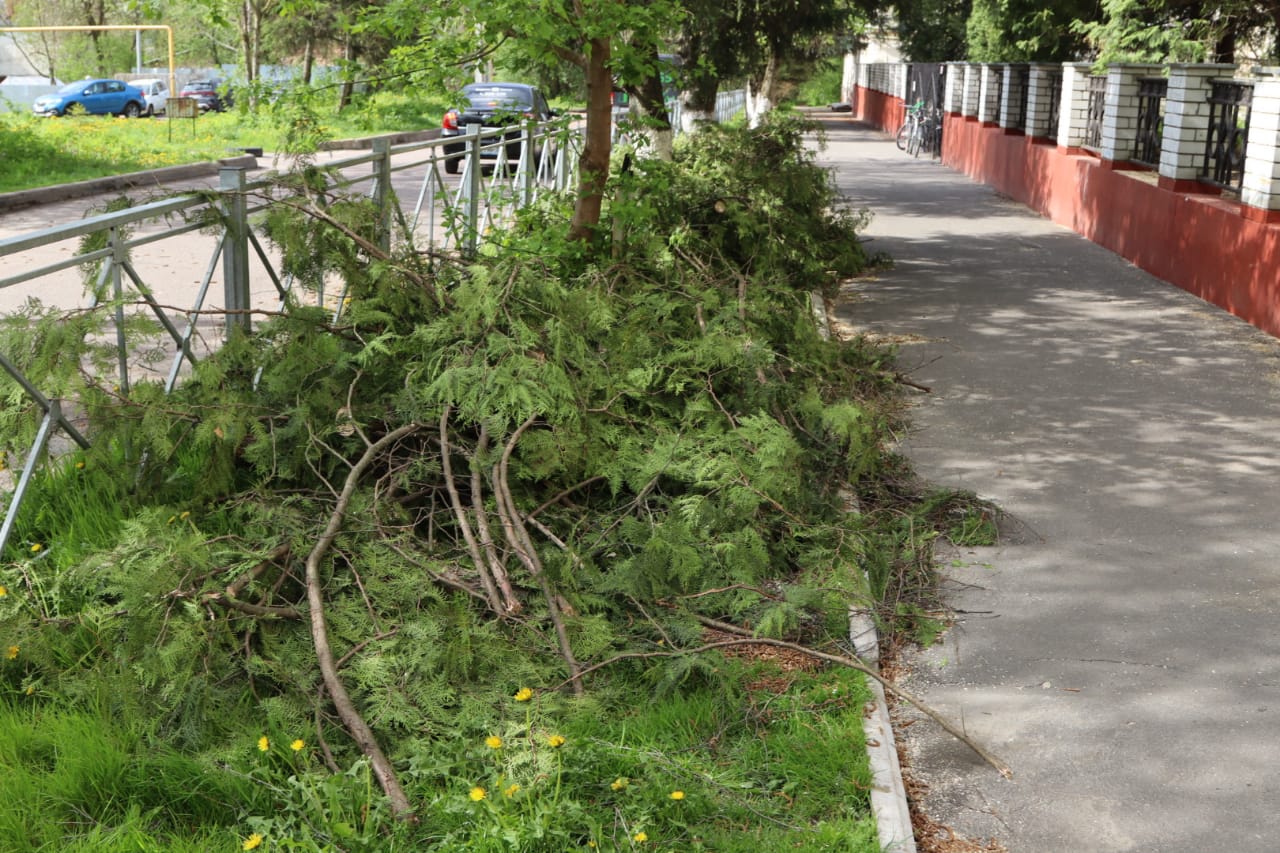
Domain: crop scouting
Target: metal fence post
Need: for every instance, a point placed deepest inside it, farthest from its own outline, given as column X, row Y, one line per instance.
column 472, row 189
column 382, row 195
column 529, row 162
column 118, row 256
column 235, row 249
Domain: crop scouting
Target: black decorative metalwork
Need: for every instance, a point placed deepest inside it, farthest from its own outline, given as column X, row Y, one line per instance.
column 1150, row 132
column 1096, row 111
column 1224, row 148
column 1022, row 85
column 1055, row 101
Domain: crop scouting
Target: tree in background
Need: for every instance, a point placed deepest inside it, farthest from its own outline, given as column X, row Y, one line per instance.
column 933, row 30
column 1027, row 30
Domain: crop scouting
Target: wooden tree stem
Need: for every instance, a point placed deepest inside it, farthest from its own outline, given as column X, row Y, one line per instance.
column 346, row 709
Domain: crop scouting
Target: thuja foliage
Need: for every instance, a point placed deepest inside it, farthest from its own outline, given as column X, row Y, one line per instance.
column 549, row 458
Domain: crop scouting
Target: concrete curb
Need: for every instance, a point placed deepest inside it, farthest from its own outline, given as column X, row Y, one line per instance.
column 151, row 178
column 364, row 142
column 888, row 791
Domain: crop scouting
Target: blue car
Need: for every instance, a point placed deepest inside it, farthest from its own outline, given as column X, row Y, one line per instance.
column 96, row 97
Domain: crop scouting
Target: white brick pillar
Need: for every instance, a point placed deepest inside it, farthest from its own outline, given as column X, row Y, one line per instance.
column 1042, row 110
column 1186, row 124
column 989, row 85
column 900, row 81
column 1120, row 121
column 1074, row 119
column 953, row 99
column 1013, row 96
column 1261, row 190
column 972, row 87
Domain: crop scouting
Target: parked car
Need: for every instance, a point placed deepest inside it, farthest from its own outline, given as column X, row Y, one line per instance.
column 208, row 94
column 493, row 105
column 96, row 97
column 156, row 91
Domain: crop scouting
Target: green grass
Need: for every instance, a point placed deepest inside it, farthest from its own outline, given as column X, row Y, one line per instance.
column 36, row 152
column 74, row 781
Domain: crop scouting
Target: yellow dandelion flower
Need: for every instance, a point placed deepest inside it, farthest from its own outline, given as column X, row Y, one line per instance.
column 511, row 791
column 37, row 548
column 172, row 519
column 31, row 689
column 524, row 694
column 298, row 745
column 252, row 842
column 184, row 516
column 263, row 744
column 79, row 466
column 555, row 741
column 677, row 795
column 477, row 794
column 13, row 652
column 618, row 784
column 640, row 837
column 493, row 742
column 3, row 591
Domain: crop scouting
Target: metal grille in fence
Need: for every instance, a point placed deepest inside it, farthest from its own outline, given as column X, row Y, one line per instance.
column 997, row 91
column 1021, row 83
column 1055, row 101
column 1224, row 148
column 1095, row 112
column 1150, row 133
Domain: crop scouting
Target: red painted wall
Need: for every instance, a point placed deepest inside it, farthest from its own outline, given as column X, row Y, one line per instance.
column 1200, row 243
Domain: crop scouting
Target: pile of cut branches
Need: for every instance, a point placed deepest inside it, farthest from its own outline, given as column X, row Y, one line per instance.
column 556, row 464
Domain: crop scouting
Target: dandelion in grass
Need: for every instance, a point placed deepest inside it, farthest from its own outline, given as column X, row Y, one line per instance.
column 524, row 694
column 640, row 837
column 263, row 744
column 184, row 516
column 37, row 548
column 493, row 742
column 3, row 591
column 79, row 466
column 477, row 794
column 511, row 790
column 298, row 745
column 253, row 842
column 12, row 654
column 555, row 741
column 677, row 795
column 618, row 784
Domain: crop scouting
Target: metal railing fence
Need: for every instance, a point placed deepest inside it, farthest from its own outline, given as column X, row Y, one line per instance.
column 1150, row 130
column 1096, row 112
column 502, row 170
column 1225, row 146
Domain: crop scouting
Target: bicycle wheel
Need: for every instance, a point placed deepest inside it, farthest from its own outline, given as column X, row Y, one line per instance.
column 904, row 133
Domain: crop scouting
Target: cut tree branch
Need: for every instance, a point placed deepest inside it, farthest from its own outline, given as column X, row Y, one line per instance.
column 342, row 702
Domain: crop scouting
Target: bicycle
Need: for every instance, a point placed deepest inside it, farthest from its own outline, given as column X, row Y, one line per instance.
column 915, row 113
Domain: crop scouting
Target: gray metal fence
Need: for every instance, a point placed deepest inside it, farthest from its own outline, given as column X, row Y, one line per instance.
column 412, row 186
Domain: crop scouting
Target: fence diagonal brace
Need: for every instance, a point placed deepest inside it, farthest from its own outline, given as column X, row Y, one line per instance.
column 146, row 294
column 53, row 415
column 46, row 405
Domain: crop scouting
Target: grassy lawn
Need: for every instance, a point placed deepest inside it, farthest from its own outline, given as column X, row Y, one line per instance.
column 36, row 152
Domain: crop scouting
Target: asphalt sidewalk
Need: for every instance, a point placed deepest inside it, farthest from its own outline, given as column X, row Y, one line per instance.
column 1120, row 648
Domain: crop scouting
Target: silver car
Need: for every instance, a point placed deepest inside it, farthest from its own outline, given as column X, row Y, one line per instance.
column 156, row 91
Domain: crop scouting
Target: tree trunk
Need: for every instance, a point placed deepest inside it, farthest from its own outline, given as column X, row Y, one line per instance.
column 348, row 88
column 651, row 110
column 760, row 98
column 593, row 166
column 308, row 57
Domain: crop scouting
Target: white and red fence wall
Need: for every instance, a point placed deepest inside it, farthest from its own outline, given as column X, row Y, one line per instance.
column 1175, row 168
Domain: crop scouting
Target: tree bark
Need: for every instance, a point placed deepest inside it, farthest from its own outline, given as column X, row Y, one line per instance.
column 593, row 166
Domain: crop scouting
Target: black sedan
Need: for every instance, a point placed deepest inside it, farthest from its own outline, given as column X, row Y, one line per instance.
column 492, row 105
